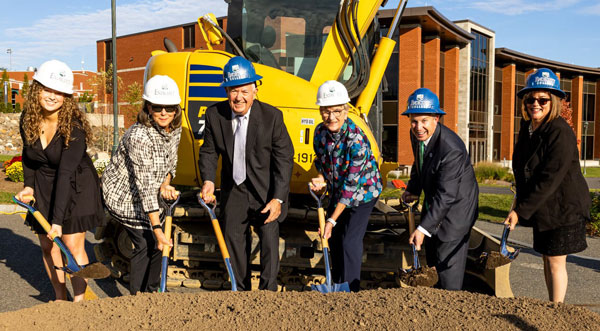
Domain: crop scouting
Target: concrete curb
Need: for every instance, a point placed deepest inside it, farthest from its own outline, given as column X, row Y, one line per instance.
column 11, row 209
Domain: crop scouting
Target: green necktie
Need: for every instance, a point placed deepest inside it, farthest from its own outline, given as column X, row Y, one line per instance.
column 421, row 152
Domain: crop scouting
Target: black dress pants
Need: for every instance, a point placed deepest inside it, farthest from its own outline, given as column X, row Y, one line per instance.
column 241, row 210
column 449, row 259
column 144, row 275
column 346, row 244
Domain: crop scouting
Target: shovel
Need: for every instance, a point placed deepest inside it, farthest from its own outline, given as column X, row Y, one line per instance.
column 495, row 259
column 95, row 270
column 416, row 275
column 328, row 286
column 165, row 251
column 220, row 239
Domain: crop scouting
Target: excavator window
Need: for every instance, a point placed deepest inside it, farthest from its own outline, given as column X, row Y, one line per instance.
column 284, row 34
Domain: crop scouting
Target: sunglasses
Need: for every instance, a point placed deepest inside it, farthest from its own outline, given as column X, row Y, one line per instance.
column 168, row 109
column 541, row 101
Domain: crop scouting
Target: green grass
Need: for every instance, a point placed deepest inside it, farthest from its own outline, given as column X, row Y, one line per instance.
column 6, row 198
column 591, row 171
column 494, row 207
column 5, row 157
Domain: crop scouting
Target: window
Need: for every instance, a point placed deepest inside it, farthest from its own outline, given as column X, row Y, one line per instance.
column 108, row 54
column 189, row 36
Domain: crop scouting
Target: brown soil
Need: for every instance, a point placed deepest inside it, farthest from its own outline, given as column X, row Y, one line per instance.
column 423, row 276
column 495, row 259
column 7, row 185
column 391, row 309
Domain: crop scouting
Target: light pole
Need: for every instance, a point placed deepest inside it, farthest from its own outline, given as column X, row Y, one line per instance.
column 9, row 52
column 585, row 127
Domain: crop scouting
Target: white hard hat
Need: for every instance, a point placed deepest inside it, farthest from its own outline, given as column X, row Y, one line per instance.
column 332, row 93
column 55, row 75
column 161, row 90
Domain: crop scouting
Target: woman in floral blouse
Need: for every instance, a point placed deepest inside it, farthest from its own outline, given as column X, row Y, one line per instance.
column 346, row 164
column 143, row 167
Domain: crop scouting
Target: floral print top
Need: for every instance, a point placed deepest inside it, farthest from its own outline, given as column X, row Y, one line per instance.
column 347, row 162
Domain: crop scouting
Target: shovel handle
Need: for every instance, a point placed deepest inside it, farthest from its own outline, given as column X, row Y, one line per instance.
column 411, row 216
column 168, row 226
column 38, row 216
column 324, row 241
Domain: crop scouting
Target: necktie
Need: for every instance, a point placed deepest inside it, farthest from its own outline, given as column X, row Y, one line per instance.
column 421, row 153
column 239, row 151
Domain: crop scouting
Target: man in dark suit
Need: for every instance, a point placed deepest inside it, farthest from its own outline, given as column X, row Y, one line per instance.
column 443, row 170
column 257, row 159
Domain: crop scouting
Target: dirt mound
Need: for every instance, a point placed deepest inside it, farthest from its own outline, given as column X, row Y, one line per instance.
column 391, row 309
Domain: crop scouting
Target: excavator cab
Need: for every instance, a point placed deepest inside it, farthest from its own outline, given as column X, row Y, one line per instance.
column 287, row 35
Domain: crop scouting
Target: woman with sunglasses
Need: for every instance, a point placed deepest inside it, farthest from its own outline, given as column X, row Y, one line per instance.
column 345, row 161
column 142, row 168
column 58, row 172
column 552, row 194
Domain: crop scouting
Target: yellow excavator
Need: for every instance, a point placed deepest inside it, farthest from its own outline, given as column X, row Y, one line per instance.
column 295, row 46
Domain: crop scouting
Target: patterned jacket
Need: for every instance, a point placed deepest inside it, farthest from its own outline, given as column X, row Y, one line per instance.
column 346, row 161
column 131, row 181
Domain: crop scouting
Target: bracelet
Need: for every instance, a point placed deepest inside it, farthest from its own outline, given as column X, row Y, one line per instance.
column 157, row 226
column 332, row 221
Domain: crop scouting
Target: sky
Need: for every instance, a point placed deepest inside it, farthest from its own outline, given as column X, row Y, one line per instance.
column 38, row 30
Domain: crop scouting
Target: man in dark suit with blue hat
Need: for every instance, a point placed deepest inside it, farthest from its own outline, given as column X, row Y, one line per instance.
column 443, row 170
column 257, row 157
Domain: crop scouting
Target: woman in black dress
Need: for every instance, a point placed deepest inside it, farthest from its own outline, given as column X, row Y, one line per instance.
column 552, row 195
column 58, row 172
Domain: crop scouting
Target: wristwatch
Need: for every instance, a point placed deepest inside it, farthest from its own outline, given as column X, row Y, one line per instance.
column 332, row 221
column 279, row 200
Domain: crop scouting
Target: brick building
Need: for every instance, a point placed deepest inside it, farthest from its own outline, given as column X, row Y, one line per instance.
column 458, row 60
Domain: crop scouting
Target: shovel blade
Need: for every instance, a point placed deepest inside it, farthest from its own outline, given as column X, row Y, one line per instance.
column 93, row 271
column 324, row 288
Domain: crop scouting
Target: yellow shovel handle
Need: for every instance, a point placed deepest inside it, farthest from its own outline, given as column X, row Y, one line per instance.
column 166, row 248
column 324, row 241
column 220, row 239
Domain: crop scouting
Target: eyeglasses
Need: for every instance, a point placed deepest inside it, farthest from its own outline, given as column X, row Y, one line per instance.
column 541, row 101
column 336, row 113
column 159, row 108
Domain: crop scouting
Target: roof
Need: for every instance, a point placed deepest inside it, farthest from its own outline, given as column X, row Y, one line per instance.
column 505, row 56
column 432, row 23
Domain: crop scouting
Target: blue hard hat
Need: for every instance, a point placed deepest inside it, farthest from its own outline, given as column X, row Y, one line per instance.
column 542, row 79
column 238, row 71
column 423, row 101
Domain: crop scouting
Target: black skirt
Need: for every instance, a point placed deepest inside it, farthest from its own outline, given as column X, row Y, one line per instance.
column 560, row 241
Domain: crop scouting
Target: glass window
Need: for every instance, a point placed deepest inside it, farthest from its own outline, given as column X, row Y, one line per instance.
column 479, row 99
column 189, row 36
column 285, row 34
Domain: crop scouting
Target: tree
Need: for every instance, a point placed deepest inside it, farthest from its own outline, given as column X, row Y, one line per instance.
column 25, row 87
column 133, row 96
column 567, row 113
column 4, row 79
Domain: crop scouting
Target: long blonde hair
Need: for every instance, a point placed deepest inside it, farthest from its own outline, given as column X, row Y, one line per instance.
column 68, row 116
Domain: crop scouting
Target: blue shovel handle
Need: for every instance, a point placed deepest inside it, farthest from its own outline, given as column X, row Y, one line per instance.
column 72, row 265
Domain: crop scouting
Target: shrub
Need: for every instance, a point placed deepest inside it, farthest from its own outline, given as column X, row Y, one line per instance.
column 492, row 171
column 101, row 165
column 15, row 172
column 594, row 225
column 11, row 161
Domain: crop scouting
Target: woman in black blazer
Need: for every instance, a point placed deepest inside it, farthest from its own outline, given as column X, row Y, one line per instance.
column 552, row 195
